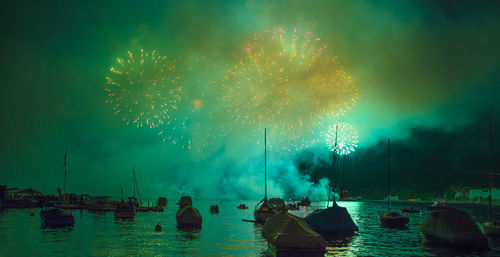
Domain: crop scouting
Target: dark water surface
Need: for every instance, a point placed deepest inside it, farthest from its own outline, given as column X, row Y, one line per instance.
column 223, row 234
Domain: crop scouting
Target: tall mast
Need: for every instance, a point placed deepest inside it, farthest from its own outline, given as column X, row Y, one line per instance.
column 491, row 172
column 331, row 188
column 389, row 175
column 265, row 161
column 136, row 185
column 65, row 171
column 334, row 185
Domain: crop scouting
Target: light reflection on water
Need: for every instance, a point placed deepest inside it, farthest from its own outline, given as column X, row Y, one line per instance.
column 221, row 234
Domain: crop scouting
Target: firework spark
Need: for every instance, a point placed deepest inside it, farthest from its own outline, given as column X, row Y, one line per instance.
column 342, row 138
column 143, row 88
column 285, row 81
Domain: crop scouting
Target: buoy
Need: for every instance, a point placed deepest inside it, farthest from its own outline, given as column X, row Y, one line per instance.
column 158, row 227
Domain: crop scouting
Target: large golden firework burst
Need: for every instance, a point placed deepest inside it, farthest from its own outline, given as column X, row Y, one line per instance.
column 143, row 88
column 284, row 80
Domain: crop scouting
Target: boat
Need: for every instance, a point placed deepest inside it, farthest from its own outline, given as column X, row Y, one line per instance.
column 187, row 216
column 125, row 210
column 391, row 219
column 453, row 228
column 491, row 227
column 410, row 210
column 292, row 206
column 214, row 208
column 333, row 221
column 242, row 206
column 289, row 235
column 56, row 218
column 266, row 208
column 304, row 202
column 437, row 205
column 162, row 202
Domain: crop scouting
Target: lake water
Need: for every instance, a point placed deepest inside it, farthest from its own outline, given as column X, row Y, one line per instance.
column 223, row 234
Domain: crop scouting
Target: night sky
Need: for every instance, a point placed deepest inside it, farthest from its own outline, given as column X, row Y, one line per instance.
column 426, row 73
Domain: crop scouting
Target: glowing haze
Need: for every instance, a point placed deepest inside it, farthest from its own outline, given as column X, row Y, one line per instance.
column 213, row 74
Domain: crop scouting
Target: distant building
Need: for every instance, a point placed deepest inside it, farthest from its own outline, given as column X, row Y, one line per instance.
column 482, row 194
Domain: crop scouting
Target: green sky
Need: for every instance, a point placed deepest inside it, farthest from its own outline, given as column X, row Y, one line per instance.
column 417, row 64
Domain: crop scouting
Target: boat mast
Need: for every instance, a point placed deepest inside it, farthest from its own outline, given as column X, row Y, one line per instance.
column 333, row 177
column 136, row 185
column 491, row 172
column 389, row 175
column 65, row 172
column 265, row 166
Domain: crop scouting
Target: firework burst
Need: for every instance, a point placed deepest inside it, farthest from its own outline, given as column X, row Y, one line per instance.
column 342, row 138
column 285, row 81
column 143, row 88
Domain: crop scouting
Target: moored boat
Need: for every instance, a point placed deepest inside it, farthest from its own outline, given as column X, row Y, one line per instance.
column 332, row 221
column 125, row 210
column 304, row 202
column 187, row 216
column 268, row 208
column 289, row 235
column 454, row 228
column 391, row 219
column 56, row 218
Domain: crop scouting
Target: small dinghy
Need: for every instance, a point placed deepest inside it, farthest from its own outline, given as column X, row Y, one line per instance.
column 393, row 220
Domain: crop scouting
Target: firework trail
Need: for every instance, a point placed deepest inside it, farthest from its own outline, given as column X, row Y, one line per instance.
column 284, row 81
column 143, row 88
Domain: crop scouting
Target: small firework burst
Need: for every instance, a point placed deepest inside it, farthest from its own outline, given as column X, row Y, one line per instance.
column 143, row 88
column 342, row 138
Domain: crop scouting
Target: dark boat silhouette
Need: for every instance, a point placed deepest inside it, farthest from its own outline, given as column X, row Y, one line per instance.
column 125, row 210
column 391, row 219
column 242, row 206
column 187, row 216
column 56, row 218
column 454, row 228
column 333, row 221
column 289, row 235
column 266, row 208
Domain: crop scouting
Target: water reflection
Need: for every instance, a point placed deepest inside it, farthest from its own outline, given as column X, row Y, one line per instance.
column 56, row 234
column 99, row 234
column 188, row 233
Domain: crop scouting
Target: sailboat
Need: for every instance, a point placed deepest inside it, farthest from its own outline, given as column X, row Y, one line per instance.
column 391, row 219
column 491, row 227
column 267, row 208
column 334, row 221
column 57, row 217
column 125, row 210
